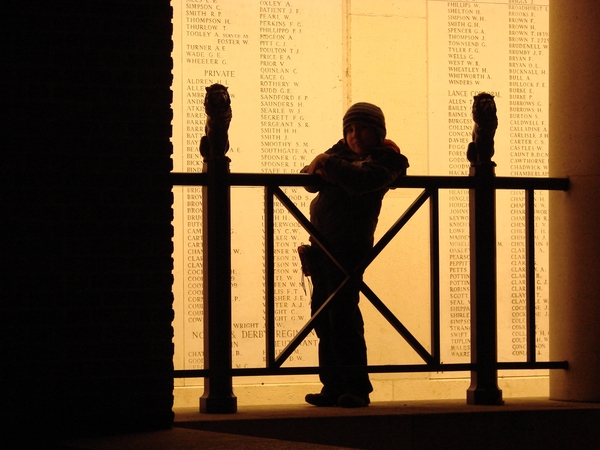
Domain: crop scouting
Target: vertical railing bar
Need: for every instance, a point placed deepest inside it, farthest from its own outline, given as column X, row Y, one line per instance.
column 530, row 299
column 435, row 274
column 269, row 278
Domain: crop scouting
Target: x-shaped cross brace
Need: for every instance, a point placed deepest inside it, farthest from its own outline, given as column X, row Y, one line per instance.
column 350, row 273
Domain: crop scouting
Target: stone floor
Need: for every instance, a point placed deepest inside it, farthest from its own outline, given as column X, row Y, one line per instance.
column 532, row 423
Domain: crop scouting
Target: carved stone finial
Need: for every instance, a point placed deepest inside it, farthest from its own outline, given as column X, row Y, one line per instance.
column 481, row 150
column 217, row 105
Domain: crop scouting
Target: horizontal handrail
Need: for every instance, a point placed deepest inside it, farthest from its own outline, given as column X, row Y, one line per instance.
column 410, row 181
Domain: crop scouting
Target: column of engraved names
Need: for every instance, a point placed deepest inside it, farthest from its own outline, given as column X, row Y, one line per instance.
column 528, row 78
column 465, row 35
column 204, row 51
column 205, row 46
column 193, row 279
column 284, row 149
column 197, row 17
column 281, row 99
column 467, row 76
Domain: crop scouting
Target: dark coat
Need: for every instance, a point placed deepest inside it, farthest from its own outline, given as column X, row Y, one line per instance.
column 346, row 210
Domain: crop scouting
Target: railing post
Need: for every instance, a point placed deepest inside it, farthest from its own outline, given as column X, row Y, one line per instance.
column 218, row 394
column 482, row 227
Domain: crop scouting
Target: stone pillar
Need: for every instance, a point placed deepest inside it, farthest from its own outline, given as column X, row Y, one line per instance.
column 575, row 215
column 484, row 346
column 218, row 397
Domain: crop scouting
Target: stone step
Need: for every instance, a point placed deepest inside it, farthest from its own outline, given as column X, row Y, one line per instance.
column 518, row 424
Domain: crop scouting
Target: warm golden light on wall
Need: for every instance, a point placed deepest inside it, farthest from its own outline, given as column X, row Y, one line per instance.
column 292, row 67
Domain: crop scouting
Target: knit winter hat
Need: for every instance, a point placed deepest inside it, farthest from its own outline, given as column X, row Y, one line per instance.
column 365, row 113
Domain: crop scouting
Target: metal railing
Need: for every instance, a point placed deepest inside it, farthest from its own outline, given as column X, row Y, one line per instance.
column 482, row 186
